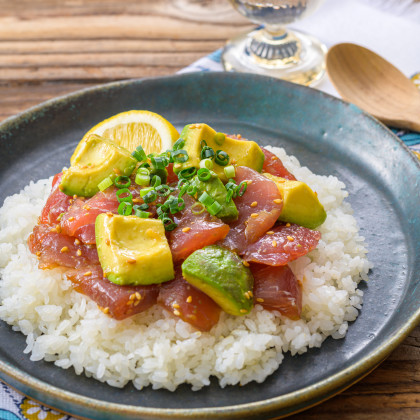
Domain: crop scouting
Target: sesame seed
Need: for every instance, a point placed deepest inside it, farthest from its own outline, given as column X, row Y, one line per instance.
column 88, row 273
column 38, row 253
column 131, row 261
column 261, row 300
column 233, row 161
column 177, row 165
column 254, row 215
column 106, row 310
column 249, row 181
column 250, row 293
column 274, row 243
column 299, row 245
column 189, row 299
column 243, row 311
column 76, row 242
column 245, row 263
column 132, row 296
column 238, row 136
column 274, row 157
column 278, row 201
column 108, row 242
column 74, row 196
column 270, row 232
column 175, row 305
column 136, row 302
column 186, row 229
column 129, row 302
column 53, row 230
column 254, row 204
column 177, row 313
column 116, row 171
column 71, row 219
column 247, row 295
column 64, row 249
column 287, row 224
column 79, row 252
column 109, row 214
column 138, row 295
column 86, row 207
column 290, row 238
column 137, row 200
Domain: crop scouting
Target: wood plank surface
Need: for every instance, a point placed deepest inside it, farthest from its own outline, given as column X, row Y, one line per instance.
column 53, row 47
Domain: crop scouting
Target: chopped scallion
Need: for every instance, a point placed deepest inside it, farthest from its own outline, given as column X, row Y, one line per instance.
column 145, row 191
column 139, row 153
column 197, row 208
column 125, row 208
column 221, row 158
column 122, row 181
column 205, row 199
column 229, row 171
column 105, row 183
column 180, row 156
column 203, row 174
column 214, row 208
column 187, row 173
column 207, row 153
column 206, row 163
column 179, row 144
column 127, row 198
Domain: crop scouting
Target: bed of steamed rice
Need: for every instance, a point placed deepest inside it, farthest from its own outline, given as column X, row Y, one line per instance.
column 155, row 348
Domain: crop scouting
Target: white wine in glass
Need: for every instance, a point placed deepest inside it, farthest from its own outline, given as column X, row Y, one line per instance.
column 272, row 49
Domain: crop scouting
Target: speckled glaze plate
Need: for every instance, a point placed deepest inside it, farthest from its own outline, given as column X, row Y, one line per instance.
column 327, row 135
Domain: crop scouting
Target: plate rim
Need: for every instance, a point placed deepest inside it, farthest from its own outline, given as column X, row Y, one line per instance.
column 321, row 390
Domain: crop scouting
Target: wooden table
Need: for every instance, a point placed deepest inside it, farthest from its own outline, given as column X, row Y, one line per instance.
column 52, row 47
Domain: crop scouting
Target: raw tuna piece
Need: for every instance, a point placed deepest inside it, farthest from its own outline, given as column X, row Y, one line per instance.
column 274, row 166
column 262, row 198
column 172, row 177
column 202, row 230
column 57, row 203
column 189, row 303
column 287, row 243
column 79, row 220
column 117, row 301
column 276, row 288
column 56, row 249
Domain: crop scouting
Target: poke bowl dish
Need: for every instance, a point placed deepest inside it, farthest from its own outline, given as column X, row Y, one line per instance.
column 178, row 257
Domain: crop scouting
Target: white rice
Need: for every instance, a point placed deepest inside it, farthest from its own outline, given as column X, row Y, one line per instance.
column 155, row 348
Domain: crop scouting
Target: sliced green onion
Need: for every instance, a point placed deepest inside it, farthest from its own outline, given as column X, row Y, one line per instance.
column 179, row 144
column 139, row 153
column 197, row 208
column 161, row 210
column 150, row 196
column 207, row 153
column 127, row 199
column 219, row 138
column 180, row 156
column 192, row 190
column 203, row 143
column 214, row 208
column 221, row 158
column 144, row 165
column 105, row 183
column 141, row 179
column 143, row 206
column 122, row 181
column 240, row 191
column 140, row 213
column 206, row 163
column 163, row 190
column 125, row 208
column 229, row 171
column 187, row 173
column 203, row 174
column 205, row 199
column 145, row 191
column 156, row 181
column 168, row 223
column 229, row 196
column 159, row 162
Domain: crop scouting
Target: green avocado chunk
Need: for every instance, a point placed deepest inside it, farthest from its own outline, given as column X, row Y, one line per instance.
column 96, row 159
column 132, row 250
column 215, row 188
column 220, row 274
column 300, row 203
column 244, row 153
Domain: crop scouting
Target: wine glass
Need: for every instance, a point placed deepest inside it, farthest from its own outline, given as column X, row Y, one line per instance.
column 272, row 49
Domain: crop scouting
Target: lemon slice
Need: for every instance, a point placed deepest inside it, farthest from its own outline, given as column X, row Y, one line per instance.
column 133, row 128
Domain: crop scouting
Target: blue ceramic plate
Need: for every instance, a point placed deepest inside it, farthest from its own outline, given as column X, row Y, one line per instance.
column 327, row 135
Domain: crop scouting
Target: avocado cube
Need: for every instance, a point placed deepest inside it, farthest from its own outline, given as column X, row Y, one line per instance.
column 215, row 188
column 96, row 159
column 245, row 153
column 220, row 274
column 132, row 250
column 300, row 204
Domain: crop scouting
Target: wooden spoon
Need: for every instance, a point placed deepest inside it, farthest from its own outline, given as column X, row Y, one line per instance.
column 375, row 85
